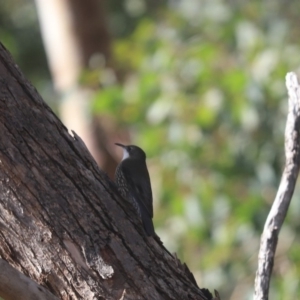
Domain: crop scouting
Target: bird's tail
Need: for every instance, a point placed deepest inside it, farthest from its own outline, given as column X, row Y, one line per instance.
column 148, row 225
column 145, row 216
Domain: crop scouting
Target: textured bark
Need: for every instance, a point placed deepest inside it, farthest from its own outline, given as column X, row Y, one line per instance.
column 15, row 285
column 284, row 194
column 62, row 222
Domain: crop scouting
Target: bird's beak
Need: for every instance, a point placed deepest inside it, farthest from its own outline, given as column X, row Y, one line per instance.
column 120, row 145
column 125, row 151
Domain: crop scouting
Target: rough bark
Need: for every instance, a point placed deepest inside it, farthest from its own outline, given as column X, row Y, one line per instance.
column 284, row 194
column 62, row 222
column 15, row 285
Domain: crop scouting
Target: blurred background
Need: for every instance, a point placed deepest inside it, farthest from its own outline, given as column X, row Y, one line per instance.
column 200, row 86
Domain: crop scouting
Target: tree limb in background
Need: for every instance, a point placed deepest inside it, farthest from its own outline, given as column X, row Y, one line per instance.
column 79, row 41
column 284, row 194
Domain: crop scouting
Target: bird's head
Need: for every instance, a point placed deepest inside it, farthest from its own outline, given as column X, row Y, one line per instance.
column 132, row 151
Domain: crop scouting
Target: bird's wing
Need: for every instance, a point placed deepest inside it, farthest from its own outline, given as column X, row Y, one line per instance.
column 141, row 185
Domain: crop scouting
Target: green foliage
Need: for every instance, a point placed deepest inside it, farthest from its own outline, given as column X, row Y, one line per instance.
column 204, row 95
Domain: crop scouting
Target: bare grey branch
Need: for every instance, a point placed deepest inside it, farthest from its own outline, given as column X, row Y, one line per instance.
column 284, row 194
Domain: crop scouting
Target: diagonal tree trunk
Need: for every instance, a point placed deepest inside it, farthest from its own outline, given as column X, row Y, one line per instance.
column 62, row 222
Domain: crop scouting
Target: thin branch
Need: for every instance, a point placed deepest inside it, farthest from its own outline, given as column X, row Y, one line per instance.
column 284, row 194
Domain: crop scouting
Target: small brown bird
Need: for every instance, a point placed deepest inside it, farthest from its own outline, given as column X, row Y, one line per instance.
column 133, row 181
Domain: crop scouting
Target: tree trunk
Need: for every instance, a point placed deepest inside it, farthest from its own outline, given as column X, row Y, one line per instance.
column 76, row 38
column 62, row 221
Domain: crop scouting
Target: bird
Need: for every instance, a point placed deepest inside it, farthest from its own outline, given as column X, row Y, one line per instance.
column 133, row 182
